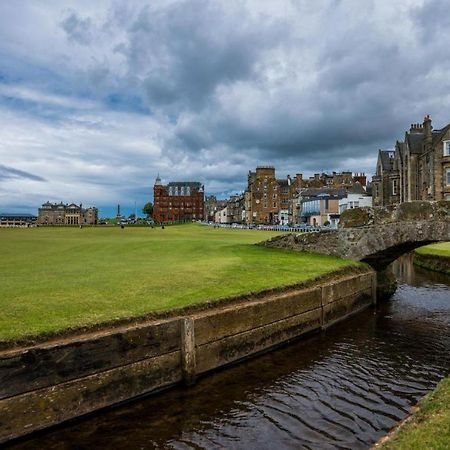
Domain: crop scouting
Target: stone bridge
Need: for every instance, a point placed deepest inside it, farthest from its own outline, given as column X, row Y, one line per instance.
column 377, row 236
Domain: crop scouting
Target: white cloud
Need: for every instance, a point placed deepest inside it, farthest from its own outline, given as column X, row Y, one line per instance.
column 97, row 97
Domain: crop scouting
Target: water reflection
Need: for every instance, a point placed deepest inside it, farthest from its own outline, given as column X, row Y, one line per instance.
column 342, row 389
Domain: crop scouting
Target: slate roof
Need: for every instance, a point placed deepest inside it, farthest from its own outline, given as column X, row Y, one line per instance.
column 17, row 215
column 322, row 191
column 191, row 184
column 437, row 134
column 415, row 141
column 357, row 189
column 387, row 162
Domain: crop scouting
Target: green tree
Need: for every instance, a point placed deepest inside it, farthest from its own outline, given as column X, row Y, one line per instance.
column 148, row 209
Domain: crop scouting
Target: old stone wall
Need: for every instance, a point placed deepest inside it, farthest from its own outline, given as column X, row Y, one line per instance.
column 49, row 383
column 376, row 235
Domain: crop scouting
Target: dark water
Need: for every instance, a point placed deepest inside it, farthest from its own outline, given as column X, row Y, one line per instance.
column 342, row 389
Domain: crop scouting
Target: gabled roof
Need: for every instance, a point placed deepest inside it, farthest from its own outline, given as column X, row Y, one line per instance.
column 437, row 134
column 357, row 189
column 415, row 141
column 386, row 157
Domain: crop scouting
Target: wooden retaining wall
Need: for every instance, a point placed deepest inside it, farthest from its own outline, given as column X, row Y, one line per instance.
column 49, row 383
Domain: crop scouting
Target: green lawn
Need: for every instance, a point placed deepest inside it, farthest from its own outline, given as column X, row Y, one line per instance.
column 430, row 425
column 58, row 278
column 440, row 249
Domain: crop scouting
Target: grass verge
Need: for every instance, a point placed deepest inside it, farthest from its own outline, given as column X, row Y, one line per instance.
column 434, row 257
column 428, row 427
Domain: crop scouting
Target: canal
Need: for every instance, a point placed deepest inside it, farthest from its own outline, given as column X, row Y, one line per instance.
column 342, row 389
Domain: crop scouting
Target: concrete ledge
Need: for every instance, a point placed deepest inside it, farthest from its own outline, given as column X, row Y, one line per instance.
column 51, row 382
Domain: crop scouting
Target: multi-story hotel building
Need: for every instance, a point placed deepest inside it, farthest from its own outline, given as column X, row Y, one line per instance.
column 178, row 201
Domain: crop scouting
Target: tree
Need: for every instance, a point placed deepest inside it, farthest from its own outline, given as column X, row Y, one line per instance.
column 148, row 209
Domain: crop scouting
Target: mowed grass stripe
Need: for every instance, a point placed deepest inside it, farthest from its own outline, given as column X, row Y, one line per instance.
column 54, row 279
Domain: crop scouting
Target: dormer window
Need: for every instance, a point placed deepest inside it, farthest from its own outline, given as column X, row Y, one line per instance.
column 446, row 148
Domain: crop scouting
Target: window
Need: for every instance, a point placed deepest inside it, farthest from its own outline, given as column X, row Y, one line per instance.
column 447, row 177
column 394, row 187
column 446, row 148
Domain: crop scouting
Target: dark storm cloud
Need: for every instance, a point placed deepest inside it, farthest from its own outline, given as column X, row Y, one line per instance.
column 10, row 172
column 191, row 56
column 181, row 53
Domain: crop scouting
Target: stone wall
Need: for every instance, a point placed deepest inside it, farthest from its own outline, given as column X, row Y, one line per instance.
column 54, row 381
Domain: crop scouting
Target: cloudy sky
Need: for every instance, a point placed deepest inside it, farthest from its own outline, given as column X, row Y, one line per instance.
column 97, row 97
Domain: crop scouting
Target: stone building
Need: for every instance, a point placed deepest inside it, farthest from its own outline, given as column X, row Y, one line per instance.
column 212, row 205
column 418, row 168
column 178, row 201
column 66, row 214
column 268, row 199
column 235, row 208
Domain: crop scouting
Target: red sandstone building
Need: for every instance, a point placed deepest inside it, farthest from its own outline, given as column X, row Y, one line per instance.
column 178, row 201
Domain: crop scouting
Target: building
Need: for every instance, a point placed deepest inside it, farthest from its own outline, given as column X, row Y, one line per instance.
column 320, row 206
column 212, row 205
column 222, row 216
column 236, row 208
column 418, row 168
column 178, row 201
column 17, row 220
column 268, row 199
column 66, row 214
column 356, row 197
column 263, row 201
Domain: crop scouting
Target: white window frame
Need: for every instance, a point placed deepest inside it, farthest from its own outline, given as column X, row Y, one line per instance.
column 394, row 187
column 447, row 176
column 446, row 145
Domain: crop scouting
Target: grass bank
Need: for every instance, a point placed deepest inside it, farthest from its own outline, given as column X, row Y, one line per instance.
column 434, row 257
column 54, row 279
column 428, row 427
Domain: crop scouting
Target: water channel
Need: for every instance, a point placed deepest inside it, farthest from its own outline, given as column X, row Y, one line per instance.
column 342, row 389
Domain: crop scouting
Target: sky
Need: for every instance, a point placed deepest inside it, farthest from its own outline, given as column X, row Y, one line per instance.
column 98, row 97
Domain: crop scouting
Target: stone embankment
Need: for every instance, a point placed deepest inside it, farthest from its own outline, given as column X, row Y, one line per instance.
column 433, row 262
column 53, row 381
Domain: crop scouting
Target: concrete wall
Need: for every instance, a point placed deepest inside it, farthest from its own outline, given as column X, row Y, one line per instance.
column 51, row 382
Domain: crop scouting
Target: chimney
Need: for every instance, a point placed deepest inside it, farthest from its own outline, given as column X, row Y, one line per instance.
column 427, row 128
column 416, row 128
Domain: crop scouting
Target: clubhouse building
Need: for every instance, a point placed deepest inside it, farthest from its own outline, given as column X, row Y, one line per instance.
column 66, row 214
